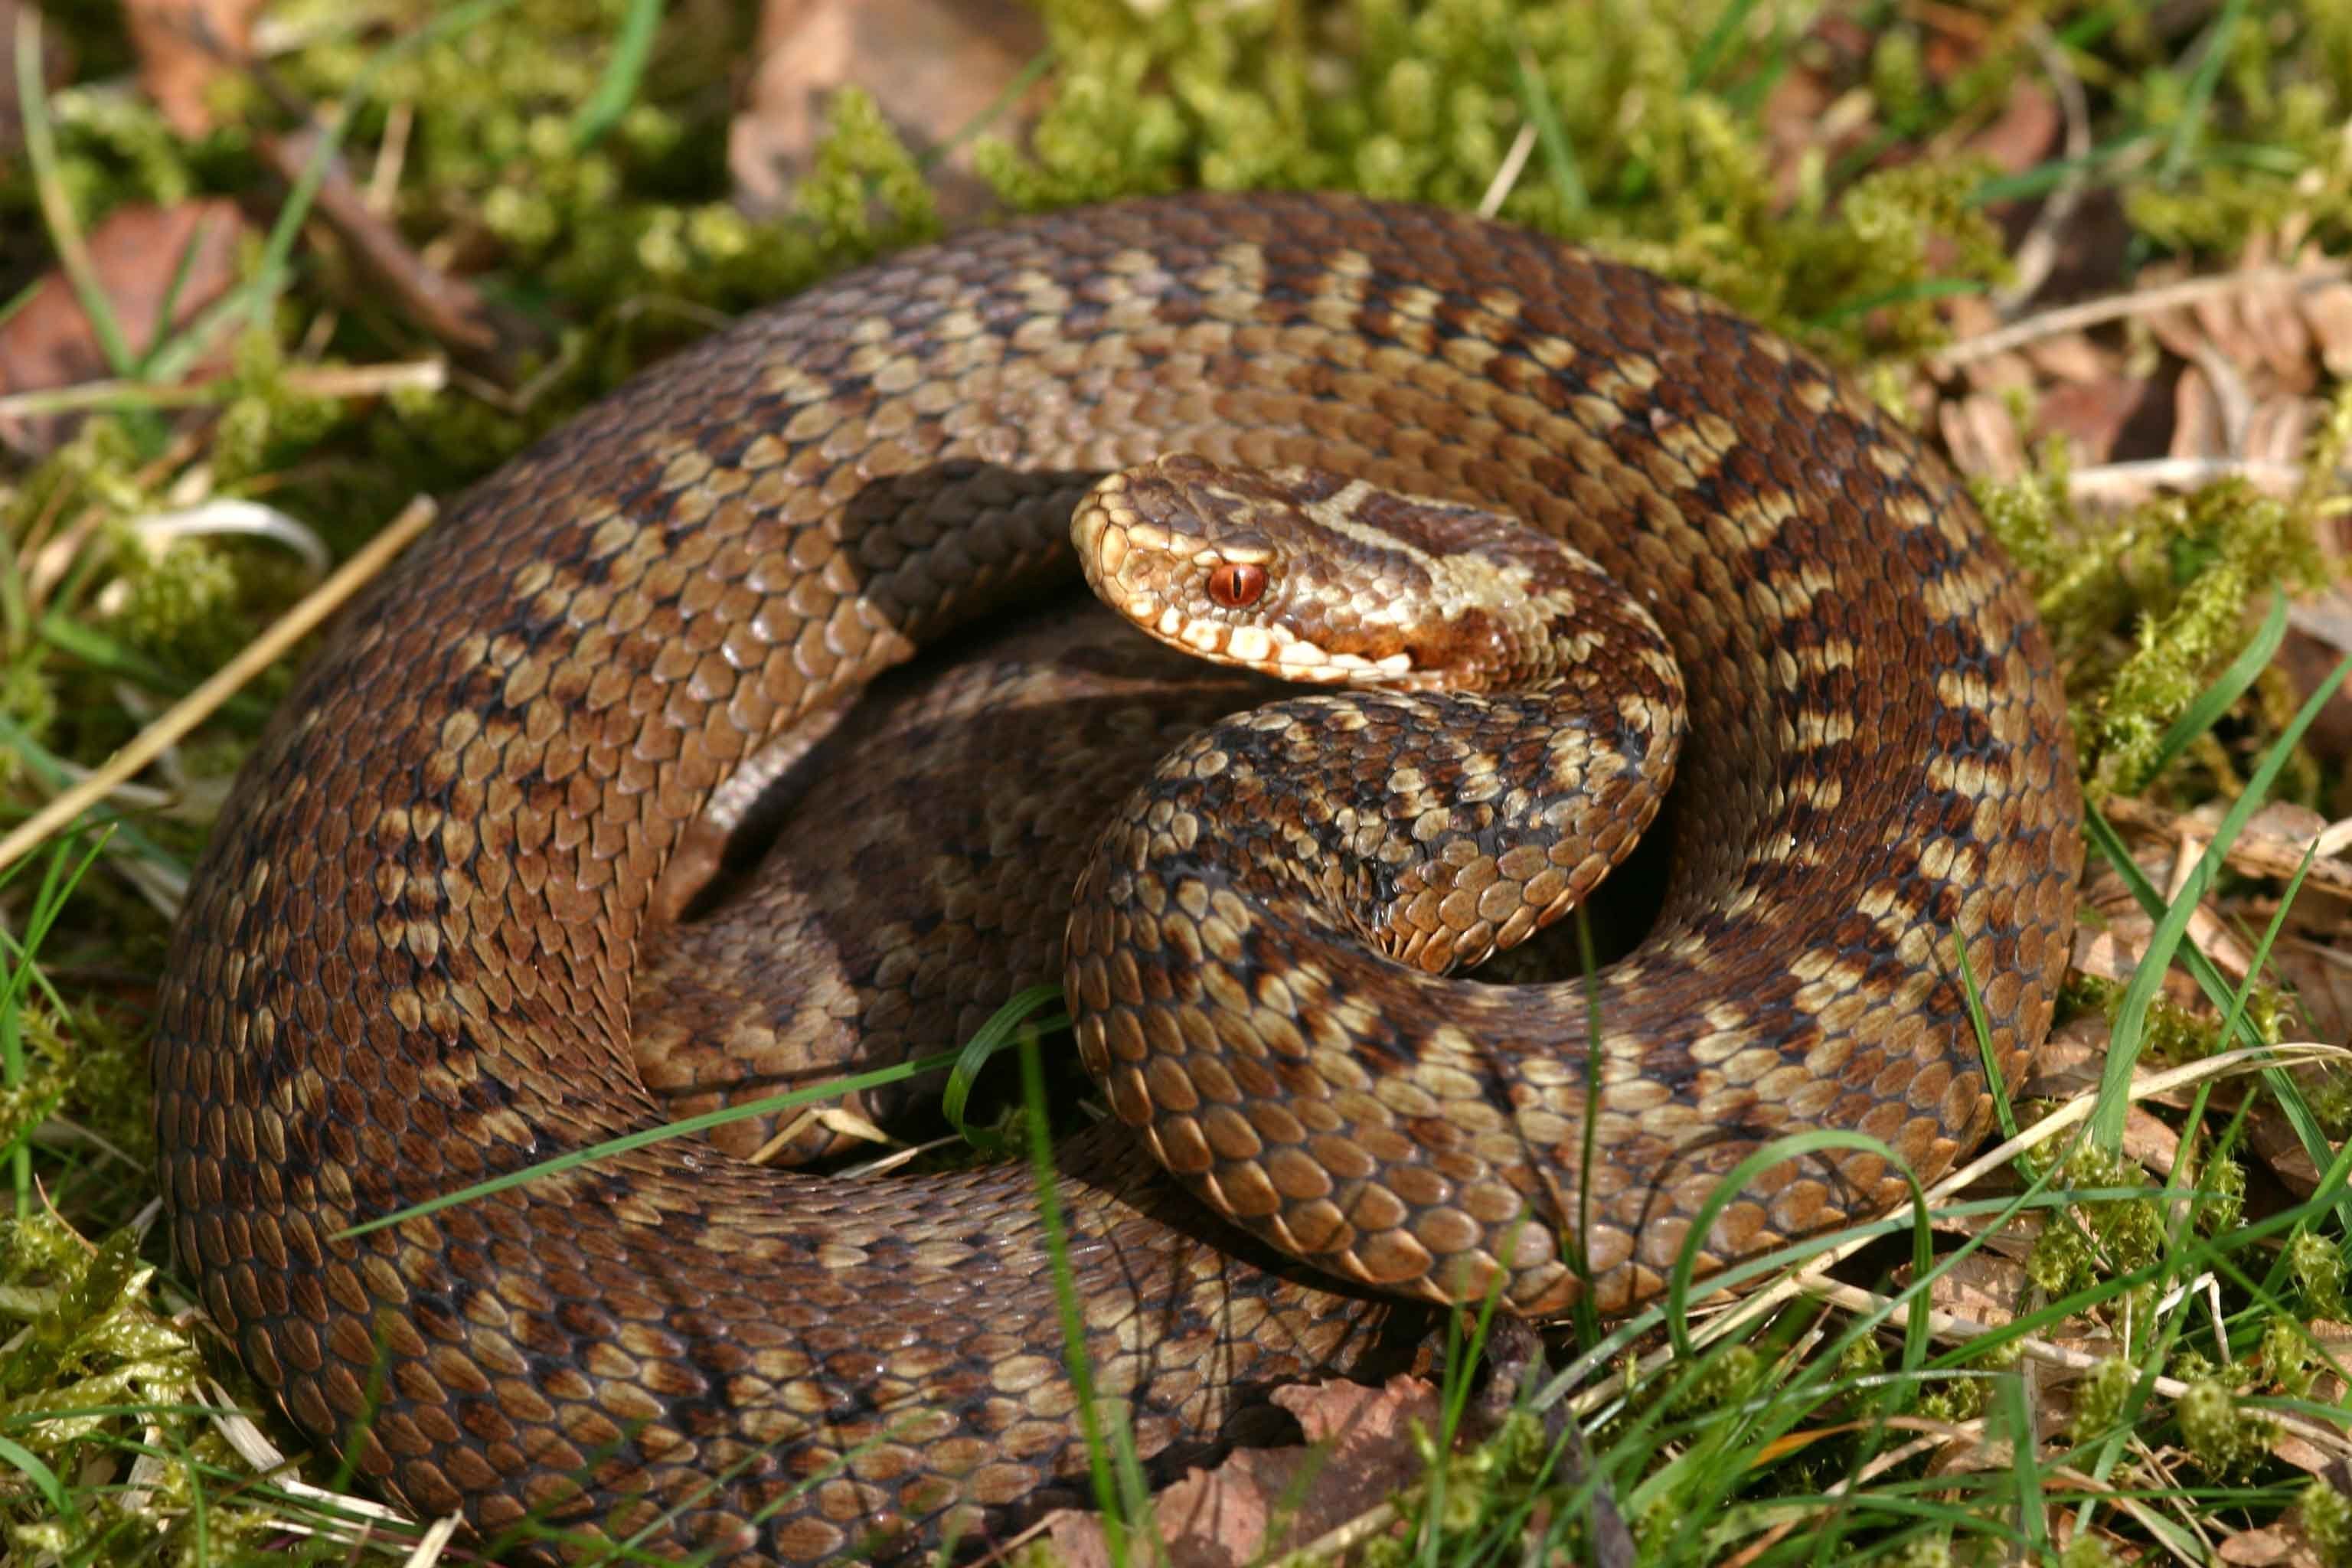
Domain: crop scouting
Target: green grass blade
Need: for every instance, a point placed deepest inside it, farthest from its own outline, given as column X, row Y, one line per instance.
column 1066, row 1299
column 45, row 1479
column 987, row 1040
column 645, row 1138
column 1552, row 135
column 2214, row 701
column 623, row 74
column 56, row 208
column 1734, row 1184
column 2122, row 1052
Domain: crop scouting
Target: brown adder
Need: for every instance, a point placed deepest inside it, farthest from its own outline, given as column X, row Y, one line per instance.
column 407, row 961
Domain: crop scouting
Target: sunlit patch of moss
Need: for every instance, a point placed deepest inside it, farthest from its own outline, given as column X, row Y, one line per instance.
column 2224, row 1183
column 2317, row 1267
column 1955, row 1399
column 88, row 1344
column 114, row 148
column 2100, row 1398
column 1729, row 1374
column 2182, row 570
column 2173, row 1032
column 266, row 422
column 2328, row 1523
column 2086, row 1551
column 2109, row 1236
column 1422, row 102
column 2227, row 1438
column 2285, row 1357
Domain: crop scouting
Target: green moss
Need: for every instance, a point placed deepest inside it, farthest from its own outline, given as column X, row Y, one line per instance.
column 2317, row 1265
column 1422, row 103
column 2285, row 1357
column 2086, row 1551
column 2328, row 1523
column 2179, row 570
column 88, row 1345
column 2101, row 1398
column 2227, row 1438
column 2110, row 1236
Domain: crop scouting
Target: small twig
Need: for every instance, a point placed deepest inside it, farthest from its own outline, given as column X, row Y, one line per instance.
column 2260, row 854
column 2140, row 302
column 314, row 381
column 194, row 709
column 457, row 314
column 1506, row 174
column 2125, row 482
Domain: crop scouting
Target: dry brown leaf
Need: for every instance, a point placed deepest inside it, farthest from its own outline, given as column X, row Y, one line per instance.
column 1973, row 316
column 1989, row 1291
column 2113, row 951
column 2322, row 978
column 2025, row 131
column 1981, row 436
column 2273, row 1546
column 2279, row 427
column 2073, row 356
column 933, row 67
column 1361, row 1453
column 1992, row 1291
column 136, row 253
column 2327, row 309
column 2335, row 1341
column 2069, row 1060
column 2276, row 332
column 2199, row 422
column 2092, row 413
column 2174, row 327
column 183, row 46
column 2150, row 1141
column 2273, row 1141
column 2273, row 843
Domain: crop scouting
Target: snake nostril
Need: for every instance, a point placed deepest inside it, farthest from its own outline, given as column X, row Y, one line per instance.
column 1237, row 584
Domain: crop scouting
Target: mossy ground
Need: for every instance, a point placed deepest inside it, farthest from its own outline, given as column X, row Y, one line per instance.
column 584, row 189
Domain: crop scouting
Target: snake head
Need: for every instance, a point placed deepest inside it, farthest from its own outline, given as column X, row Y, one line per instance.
column 1314, row 577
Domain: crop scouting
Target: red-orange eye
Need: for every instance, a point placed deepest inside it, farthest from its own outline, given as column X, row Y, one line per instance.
column 1237, row 584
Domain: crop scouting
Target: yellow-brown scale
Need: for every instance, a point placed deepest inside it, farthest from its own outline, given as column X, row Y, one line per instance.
column 407, row 961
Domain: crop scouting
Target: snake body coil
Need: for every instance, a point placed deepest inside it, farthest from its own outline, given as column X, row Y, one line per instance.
column 406, row 962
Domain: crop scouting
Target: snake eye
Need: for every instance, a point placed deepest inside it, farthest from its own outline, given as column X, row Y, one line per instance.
column 1237, row 584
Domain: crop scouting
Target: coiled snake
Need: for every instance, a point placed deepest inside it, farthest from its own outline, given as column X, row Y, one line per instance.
column 407, row 964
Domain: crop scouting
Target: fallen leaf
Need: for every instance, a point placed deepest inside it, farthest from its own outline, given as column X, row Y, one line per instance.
column 183, row 46
column 2326, row 308
column 2321, row 976
column 2093, row 415
column 1981, row 436
column 933, row 67
column 2199, row 422
column 2024, row 133
column 2073, row 356
column 1262, row 1501
column 138, row 255
column 2273, row 1546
